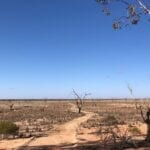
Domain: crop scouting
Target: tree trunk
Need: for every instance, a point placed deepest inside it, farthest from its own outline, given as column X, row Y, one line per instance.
column 79, row 110
column 148, row 132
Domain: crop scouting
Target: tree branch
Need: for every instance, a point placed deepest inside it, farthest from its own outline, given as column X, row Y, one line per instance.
column 76, row 94
column 143, row 6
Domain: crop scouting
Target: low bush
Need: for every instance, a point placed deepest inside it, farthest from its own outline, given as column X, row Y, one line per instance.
column 8, row 127
column 134, row 130
column 110, row 120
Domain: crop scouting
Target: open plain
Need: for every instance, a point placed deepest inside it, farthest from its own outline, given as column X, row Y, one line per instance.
column 45, row 124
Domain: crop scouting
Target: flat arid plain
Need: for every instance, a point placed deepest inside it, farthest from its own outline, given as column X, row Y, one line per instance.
column 57, row 124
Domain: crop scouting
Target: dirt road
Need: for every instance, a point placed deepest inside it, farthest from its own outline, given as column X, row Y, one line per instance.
column 63, row 134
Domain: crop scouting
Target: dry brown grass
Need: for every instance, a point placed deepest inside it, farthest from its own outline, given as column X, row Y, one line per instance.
column 124, row 111
column 35, row 118
column 113, row 122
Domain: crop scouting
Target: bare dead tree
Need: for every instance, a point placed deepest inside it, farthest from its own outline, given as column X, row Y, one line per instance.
column 146, row 119
column 79, row 100
column 135, row 9
column 130, row 90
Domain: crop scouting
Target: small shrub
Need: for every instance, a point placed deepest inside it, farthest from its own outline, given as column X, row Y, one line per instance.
column 134, row 130
column 110, row 120
column 8, row 127
column 113, row 138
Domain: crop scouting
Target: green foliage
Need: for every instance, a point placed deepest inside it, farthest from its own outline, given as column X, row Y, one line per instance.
column 8, row 127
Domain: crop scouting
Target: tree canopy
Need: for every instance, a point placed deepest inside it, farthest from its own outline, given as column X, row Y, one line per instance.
column 134, row 10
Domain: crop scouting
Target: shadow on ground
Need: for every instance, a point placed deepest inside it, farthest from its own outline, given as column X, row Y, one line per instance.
column 86, row 146
column 90, row 146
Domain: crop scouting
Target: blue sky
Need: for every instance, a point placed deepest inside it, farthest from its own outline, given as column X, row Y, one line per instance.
column 49, row 47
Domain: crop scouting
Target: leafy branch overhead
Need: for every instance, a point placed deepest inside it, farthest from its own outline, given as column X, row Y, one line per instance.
column 134, row 10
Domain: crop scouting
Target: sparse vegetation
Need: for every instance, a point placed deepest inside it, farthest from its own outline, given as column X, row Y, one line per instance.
column 113, row 138
column 8, row 127
column 134, row 130
column 109, row 120
column 124, row 112
column 35, row 118
column 116, row 123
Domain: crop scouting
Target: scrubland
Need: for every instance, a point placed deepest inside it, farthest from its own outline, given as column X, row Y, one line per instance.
column 106, row 123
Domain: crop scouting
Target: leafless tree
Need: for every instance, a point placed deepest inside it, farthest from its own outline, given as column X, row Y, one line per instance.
column 79, row 100
column 130, row 89
column 146, row 118
column 135, row 9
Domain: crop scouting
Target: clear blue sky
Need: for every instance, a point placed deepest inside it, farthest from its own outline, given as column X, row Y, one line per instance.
column 49, row 47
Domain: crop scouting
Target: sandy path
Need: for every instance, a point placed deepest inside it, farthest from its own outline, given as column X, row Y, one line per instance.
column 62, row 134
column 65, row 133
column 13, row 144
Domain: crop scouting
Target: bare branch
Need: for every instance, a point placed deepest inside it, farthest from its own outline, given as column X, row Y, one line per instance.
column 147, row 10
column 79, row 100
column 75, row 93
column 86, row 94
column 134, row 9
column 130, row 89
